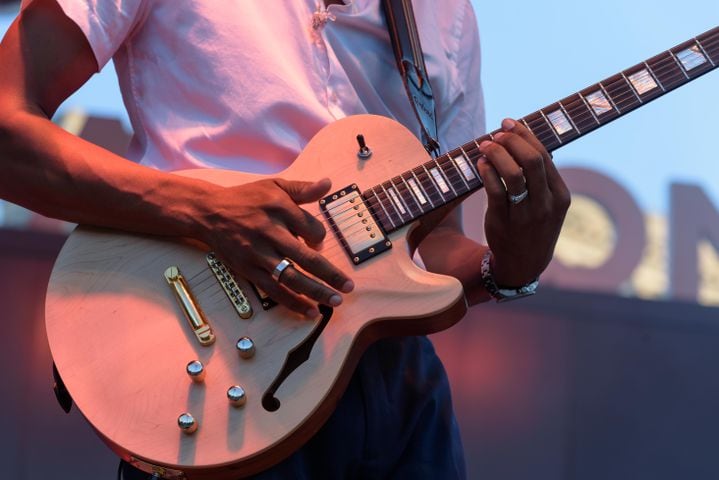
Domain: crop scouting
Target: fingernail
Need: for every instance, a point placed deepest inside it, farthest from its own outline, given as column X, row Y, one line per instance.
column 498, row 136
column 485, row 144
column 508, row 124
column 312, row 312
column 335, row 300
column 348, row 286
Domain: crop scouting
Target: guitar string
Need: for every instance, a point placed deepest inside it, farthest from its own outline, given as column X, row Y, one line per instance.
column 622, row 100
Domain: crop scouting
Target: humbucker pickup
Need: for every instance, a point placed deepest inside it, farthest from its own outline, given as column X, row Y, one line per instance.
column 354, row 225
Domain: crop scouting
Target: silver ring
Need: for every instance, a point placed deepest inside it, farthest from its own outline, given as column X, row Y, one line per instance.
column 515, row 199
column 277, row 272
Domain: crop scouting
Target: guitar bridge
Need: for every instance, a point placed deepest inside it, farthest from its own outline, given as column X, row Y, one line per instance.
column 226, row 279
column 354, row 224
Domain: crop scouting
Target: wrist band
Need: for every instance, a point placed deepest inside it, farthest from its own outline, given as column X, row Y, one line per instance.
column 503, row 294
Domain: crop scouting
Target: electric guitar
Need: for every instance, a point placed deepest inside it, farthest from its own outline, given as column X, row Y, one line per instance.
column 188, row 371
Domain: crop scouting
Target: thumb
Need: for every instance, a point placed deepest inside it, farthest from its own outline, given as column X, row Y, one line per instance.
column 305, row 192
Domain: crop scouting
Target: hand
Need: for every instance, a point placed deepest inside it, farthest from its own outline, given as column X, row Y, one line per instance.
column 521, row 235
column 254, row 226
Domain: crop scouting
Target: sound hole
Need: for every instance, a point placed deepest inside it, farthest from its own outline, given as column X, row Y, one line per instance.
column 295, row 357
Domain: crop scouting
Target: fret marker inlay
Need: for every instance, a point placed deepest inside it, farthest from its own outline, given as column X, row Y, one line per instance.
column 691, row 57
column 439, row 180
column 464, row 167
column 642, row 81
column 397, row 202
column 599, row 102
column 416, row 190
column 560, row 122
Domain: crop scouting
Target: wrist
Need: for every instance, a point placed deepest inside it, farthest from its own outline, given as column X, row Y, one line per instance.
column 502, row 292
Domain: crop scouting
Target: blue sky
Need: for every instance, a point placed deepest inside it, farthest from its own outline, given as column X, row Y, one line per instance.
column 535, row 53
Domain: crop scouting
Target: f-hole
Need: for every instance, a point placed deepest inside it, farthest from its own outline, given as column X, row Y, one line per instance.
column 295, row 357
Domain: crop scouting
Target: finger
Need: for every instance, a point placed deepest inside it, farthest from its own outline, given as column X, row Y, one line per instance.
column 554, row 180
column 298, row 282
column 505, row 166
column 496, row 193
column 528, row 158
column 281, row 294
column 303, row 224
column 314, row 263
column 304, row 192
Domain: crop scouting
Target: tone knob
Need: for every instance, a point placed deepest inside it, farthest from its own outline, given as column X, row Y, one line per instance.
column 246, row 347
column 196, row 371
column 187, row 423
column 236, row 395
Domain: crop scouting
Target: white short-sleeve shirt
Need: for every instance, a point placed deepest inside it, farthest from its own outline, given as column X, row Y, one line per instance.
column 245, row 84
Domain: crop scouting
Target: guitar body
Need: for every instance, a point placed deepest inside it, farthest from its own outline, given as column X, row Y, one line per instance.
column 121, row 342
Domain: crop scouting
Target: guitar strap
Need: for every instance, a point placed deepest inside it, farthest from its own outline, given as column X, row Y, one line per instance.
column 410, row 61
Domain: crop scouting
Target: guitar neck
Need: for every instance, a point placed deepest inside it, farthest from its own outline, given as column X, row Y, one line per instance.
column 452, row 175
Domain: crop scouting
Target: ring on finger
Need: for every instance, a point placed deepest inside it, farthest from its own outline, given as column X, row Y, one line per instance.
column 281, row 267
column 518, row 198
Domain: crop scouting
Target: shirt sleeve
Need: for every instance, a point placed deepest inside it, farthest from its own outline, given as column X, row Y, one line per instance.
column 105, row 23
column 462, row 119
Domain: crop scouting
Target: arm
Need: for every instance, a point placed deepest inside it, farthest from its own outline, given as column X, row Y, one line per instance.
column 45, row 57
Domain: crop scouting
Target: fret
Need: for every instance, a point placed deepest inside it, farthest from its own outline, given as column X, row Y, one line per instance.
column 579, row 113
column 442, row 180
column 467, row 166
column 526, row 125
column 654, row 76
column 681, row 67
column 631, row 87
column 699, row 44
column 550, row 126
column 397, row 201
column 413, row 195
column 389, row 205
column 434, row 184
column 609, row 97
column 542, row 130
column 446, row 177
column 591, row 110
column 459, row 171
column 417, row 183
column 621, row 93
column 439, row 180
column 569, row 117
column 386, row 213
column 402, row 194
column 710, row 44
column 666, row 70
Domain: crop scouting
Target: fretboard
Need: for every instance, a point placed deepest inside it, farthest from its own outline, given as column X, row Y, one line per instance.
column 452, row 175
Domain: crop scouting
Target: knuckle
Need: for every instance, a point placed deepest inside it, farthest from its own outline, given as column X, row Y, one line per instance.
column 516, row 175
column 564, row 200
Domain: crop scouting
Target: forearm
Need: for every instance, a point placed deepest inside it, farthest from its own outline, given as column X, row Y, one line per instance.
column 59, row 175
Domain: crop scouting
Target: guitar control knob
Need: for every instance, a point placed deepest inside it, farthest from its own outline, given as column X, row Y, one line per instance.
column 236, row 395
column 196, row 371
column 187, row 423
column 246, row 347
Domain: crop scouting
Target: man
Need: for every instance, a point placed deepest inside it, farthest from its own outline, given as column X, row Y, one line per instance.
column 245, row 85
